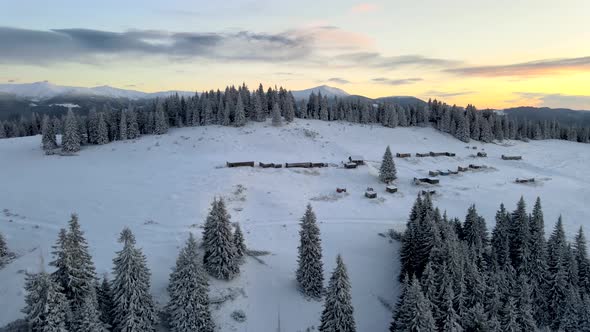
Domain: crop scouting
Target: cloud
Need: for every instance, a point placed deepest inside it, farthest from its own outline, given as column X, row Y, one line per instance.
column 533, row 68
column 338, row 80
column 436, row 93
column 403, row 81
column 377, row 60
column 363, row 8
column 554, row 100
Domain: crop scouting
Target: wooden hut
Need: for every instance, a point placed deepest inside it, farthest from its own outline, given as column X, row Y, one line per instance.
column 278, row 166
column 450, row 154
column 482, row 154
column 437, row 154
column 403, row 155
column 319, row 165
column 511, row 157
column 391, row 189
column 422, row 154
column 350, row 165
column 263, row 165
column 370, row 193
column 240, row 164
column 340, row 190
column 426, row 180
column 472, row 166
column 462, row 169
column 359, row 160
column 444, row 173
column 525, row 180
column 433, row 173
column 453, row 172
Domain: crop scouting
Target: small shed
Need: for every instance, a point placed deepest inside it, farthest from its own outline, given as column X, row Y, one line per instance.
column 437, row 154
column 319, row 165
column 450, row 154
column 340, row 190
column 278, row 166
column 403, row 155
column 298, row 165
column 453, row 172
column 359, row 160
column 240, row 164
column 472, row 166
column 511, row 157
column 370, row 193
column 462, row 169
column 350, row 165
column 426, row 180
column 263, row 165
column 422, row 155
column 433, row 173
column 525, row 180
column 444, row 173
column 391, row 189
column 482, row 154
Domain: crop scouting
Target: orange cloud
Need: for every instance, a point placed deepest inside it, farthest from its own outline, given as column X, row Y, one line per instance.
column 363, row 8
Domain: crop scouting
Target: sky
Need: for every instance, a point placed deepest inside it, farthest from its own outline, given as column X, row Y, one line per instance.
column 493, row 54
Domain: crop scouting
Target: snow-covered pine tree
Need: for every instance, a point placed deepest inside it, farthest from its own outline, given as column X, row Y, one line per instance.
column 220, row 254
column 289, row 111
column 48, row 141
column 538, row 263
column 70, row 140
column 132, row 124
column 557, row 290
column 501, row 238
column 520, row 254
column 3, row 247
column 189, row 300
column 310, row 269
column 239, row 243
column 92, row 126
column 413, row 312
column 225, row 115
column 87, row 317
column 277, row 121
column 133, row 308
column 46, row 308
column 387, row 172
column 104, row 297
column 102, row 130
column 449, row 320
column 338, row 313
column 524, row 314
column 581, row 255
column 240, row 114
column 509, row 321
column 160, row 120
column 123, row 126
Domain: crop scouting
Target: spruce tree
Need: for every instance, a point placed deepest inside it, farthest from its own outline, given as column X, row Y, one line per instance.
column 70, row 140
column 338, row 313
column 387, row 172
column 87, row 317
column 520, row 254
column 239, row 243
column 46, row 308
column 133, row 309
column 277, row 121
column 160, row 120
column 48, row 141
column 93, row 126
column 557, row 283
column 538, row 263
column 219, row 259
column 102, row 130
column 240, row 114
column 310, row 270
column 225, row 115
column 81, row 273
column 413, row 312
column 3, row 247
column 581, row 255
column 132, row 124
column 524, row 315
column 189, row 300
column 104, row 296
column 123, row 126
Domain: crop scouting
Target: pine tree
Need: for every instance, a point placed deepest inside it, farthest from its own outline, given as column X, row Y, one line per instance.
column 413, row 312
column 104, row 296
column 220, row 253
column 123, row 126
column 310, row 271
column 524, row 314
column 62, row 260
column 133, row 309
column 509, row 322
column 338, row 313
column 289, row 111
column 277, row 121
column 70, row 140
column 92, row 126
column 225, row 115
column 538, row 263
column 581, row 255
column 239, row 243
column 449, row 319
column 240, row 114
column 387, row 172
column 520, row 254
column 102, row 130
column 132, row 124
column 87, row 317
column 189, row 300
column 3, row 247
column 160, row 120
column 557, row 283
column 48, row 141
column 46, row 308
column 81, row 275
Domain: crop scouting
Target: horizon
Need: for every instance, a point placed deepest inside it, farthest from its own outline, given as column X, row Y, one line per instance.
column 449, row 51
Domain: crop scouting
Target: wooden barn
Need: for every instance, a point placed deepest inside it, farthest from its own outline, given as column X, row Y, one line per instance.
column 240, row 164
column 359, row 160
column 263, row 165
column 426, row 180
column 433, row 173
column 462, row 169
column 391, row 189
column 453, row 172
column 403, row 155
column 511, row 157
column 444, row 173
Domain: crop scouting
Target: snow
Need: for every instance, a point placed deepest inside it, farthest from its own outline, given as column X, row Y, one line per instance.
column 162, row 187
column 67, row 105
column 325, row 90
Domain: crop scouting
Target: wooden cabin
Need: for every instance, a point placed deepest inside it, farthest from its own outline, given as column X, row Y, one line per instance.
column 359, row 160
column 453, row 172
column 426, row 180
column 340, row 190
column 350, row 165
column 525, row 180
column 437, row 154
column 403, row 155
column 477, row 166
column 240, row 164
column 462, row 169
column 422, row 154
column 433, row 173
column 278, row 166
column 391, row 189
column 298, row 165
column 370, row 193
column 444, row 173
column 319, row 165
column 450, row 154
column 263, row 165
column 482, row 154
column 511, row 157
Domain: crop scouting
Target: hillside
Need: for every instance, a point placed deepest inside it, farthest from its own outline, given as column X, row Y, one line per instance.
column 564, row 115
column 161, row 187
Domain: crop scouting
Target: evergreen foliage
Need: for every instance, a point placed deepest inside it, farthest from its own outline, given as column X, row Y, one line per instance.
column 338, row 313
column 220, row 258
column 310, row 269
column 387, row 172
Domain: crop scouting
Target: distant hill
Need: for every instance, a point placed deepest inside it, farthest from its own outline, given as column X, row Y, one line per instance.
column 402, row 100
column 325, row 90
column 563, row 115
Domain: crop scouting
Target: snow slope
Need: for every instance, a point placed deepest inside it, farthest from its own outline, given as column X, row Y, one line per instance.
column 161, row 186
column 325, row 90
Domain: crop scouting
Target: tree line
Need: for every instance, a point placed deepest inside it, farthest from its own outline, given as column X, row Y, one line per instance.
column 457, row 277
column 236, row 106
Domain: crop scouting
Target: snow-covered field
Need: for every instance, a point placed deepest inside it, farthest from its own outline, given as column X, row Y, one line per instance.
column 162, row 186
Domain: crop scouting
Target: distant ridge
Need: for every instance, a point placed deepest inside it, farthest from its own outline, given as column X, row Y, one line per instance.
column 325, row 90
